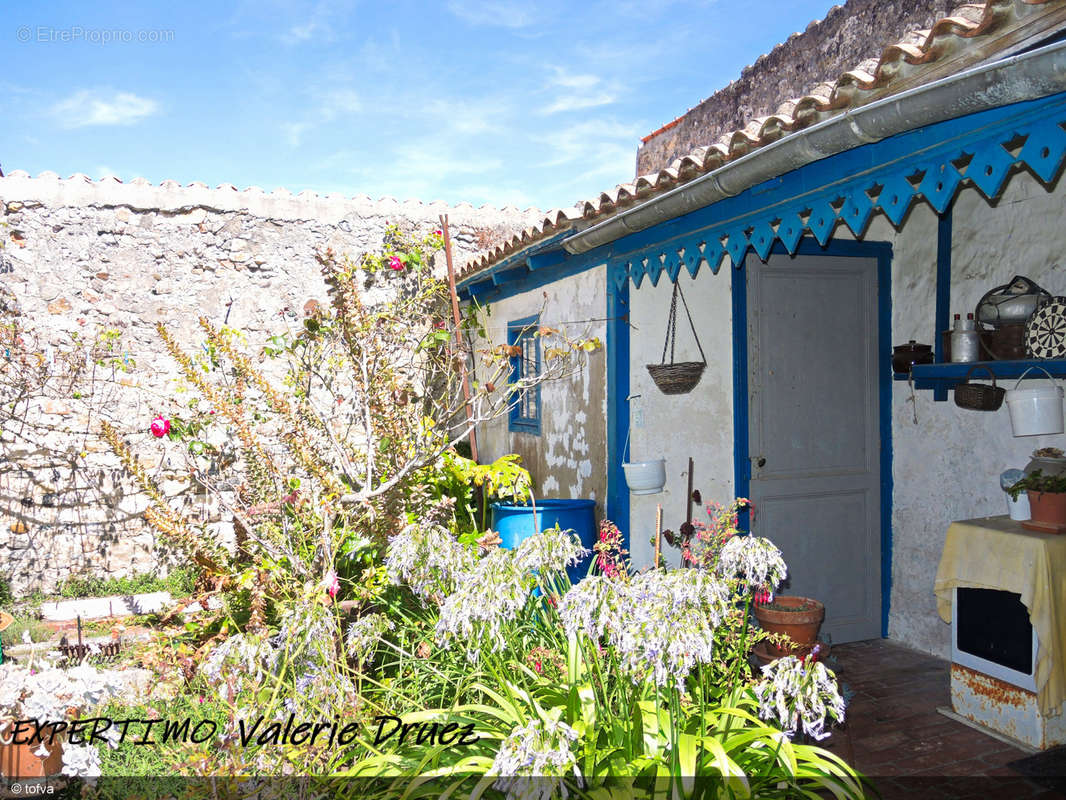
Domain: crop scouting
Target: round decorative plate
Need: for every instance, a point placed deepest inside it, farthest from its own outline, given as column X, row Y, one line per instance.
column 1045, row 332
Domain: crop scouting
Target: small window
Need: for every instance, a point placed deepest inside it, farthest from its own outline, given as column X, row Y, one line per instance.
column 525, row 365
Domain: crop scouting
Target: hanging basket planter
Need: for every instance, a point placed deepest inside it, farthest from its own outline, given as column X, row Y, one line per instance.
column 677, row 377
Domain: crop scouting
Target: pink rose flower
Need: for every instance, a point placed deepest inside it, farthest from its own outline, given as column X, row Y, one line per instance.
column 395, row 263
column 160, row 426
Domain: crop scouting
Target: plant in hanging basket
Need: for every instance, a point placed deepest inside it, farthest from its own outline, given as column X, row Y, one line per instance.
column 677, row 377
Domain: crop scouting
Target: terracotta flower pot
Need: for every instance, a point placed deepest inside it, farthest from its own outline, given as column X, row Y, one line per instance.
column 1047, row 507
column 797, row 617
column 20, row 761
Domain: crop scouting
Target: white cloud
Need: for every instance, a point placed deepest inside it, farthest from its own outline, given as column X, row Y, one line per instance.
column 95, row 107
column 336, row 102
column 294, row 132
column 104, row 171
column 588, row 142
column 579, row 91
column 498, row 13
column 576, row 102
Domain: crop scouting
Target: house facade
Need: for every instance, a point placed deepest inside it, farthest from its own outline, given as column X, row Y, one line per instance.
column 806, row 246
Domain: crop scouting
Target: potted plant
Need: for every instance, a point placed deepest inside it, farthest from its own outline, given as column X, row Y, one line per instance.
column 799, row 618
column 1047, row 498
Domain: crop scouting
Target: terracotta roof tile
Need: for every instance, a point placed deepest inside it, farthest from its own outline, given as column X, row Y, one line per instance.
column 954, row 40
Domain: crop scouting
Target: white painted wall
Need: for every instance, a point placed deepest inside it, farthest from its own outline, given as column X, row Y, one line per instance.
column 568, row 459
column 698, row 424
column 946, row 467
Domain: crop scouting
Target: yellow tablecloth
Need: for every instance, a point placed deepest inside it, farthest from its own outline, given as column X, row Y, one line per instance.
column 998, row 553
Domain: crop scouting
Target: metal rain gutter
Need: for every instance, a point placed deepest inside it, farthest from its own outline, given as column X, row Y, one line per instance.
column 1021, row 77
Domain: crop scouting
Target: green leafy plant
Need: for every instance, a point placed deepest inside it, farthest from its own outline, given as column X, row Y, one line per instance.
column 1037, row 481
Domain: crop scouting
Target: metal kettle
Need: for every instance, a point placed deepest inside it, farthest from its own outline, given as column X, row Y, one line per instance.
column 1011, row 303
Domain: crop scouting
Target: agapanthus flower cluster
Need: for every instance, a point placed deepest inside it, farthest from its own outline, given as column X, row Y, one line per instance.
column 661, row 624
column 428, row 559
column 491, row 594
column 364, row 636
column 549, row 551
column 531, row 753
column 756, row 561
column 795, row 694
column 241, row 661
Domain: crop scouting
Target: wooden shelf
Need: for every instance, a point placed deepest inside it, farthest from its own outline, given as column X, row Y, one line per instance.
column 947, row 376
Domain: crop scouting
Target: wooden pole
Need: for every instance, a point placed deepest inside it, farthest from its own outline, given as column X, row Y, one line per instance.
column 658, row 531
column 457, row 319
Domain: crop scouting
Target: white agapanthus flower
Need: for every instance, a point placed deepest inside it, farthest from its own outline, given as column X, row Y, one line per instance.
column 754, row 560
column 493, row 593
column 587, row 607
column 364, row 635
column 530, row 755
column 660, row 623
column 428, row 559
column 795, row 693
column 241, row 660
column 550, row 551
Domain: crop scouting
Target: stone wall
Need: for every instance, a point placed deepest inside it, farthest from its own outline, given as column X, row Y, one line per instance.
column 83, row 257
column 847, row 36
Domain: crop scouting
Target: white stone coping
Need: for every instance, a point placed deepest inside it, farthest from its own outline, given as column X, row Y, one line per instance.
column 170, row 196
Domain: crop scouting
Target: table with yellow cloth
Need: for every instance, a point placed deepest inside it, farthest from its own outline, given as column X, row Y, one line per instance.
column 998, row 553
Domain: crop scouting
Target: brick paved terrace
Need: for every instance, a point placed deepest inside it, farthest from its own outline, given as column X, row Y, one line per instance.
column 895, row 735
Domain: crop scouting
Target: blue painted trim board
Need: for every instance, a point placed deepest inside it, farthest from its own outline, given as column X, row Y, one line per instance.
column 617, row 501
column 519, row 329
column 882, row 251
column 943, row 290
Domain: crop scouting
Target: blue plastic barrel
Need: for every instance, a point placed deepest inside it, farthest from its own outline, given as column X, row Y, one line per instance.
column 515, row 523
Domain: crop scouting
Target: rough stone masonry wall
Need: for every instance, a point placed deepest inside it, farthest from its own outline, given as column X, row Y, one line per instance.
column 81, row 257
column 848, row 35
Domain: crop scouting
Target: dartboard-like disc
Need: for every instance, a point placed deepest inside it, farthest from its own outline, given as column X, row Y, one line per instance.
column 1045, row 332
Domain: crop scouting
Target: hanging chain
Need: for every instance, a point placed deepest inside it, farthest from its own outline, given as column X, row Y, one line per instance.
column 671, row 326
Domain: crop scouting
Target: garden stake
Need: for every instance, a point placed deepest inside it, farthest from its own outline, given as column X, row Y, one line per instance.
column 458, row 331
column 658, row 531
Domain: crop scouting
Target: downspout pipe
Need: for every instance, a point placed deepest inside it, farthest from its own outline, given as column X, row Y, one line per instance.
column 1026, row 76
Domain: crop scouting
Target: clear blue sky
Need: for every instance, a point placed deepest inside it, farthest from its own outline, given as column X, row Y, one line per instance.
column 488, row 101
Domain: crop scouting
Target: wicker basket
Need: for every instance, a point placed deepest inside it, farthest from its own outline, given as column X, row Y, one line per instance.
column 979, row 396
column 677, row 378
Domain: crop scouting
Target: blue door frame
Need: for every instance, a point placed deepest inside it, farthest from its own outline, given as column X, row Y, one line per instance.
column 882, row 251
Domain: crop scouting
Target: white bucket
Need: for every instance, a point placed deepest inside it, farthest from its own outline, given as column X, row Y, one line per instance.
column 1035, row 411
column 1019, row 509
column 645, row 477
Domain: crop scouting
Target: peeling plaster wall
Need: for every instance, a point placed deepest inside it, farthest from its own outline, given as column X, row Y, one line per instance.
column 698, row 424
column 568, row 459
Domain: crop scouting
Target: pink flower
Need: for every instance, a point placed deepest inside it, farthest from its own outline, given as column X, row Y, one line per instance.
column 438, row 233
column 160, row 426
column 395, row 263
column 331, row 584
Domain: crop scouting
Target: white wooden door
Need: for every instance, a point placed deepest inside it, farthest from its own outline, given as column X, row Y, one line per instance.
column 813, row 430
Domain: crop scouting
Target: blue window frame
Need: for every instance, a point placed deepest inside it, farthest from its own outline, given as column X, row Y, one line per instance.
column 525, row 413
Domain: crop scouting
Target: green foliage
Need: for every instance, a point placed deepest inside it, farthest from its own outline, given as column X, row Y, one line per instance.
column 1037, row 481
column 38, row 631
column 7, row 598
column 179, row 582
column 474, row 487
